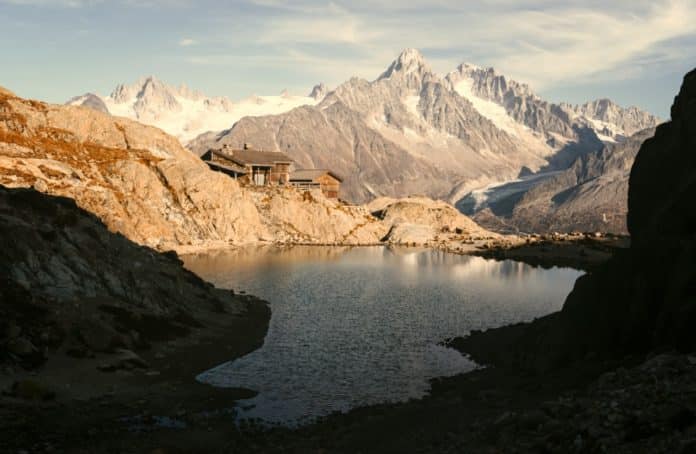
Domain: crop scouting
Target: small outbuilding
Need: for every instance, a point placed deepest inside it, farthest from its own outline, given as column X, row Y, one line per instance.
column 326, row 180
column 257, row 167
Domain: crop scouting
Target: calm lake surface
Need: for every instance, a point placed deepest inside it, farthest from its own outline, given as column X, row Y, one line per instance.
column 359, row 326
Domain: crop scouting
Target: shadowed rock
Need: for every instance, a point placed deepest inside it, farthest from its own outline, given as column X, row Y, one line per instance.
column 643, row 299
column 68, row 282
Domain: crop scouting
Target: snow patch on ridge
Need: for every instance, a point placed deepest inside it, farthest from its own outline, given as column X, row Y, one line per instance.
column 489, row 109
column 411, row 103
column 187, row 113
column 198, row 116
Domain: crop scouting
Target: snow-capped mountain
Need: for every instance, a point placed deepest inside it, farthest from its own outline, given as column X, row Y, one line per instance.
column 411, row 130
column 414, row 131
column 609, row 121
column 613, row 122
column 319, row 92
column 187, row 113
column 90, row 100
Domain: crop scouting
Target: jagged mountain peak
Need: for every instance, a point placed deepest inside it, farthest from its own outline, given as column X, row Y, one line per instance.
column 410, row 55
column 409, row 61
column 470, row 68
column 487, row 82
column 152, row 86
column 183, row 111
column 319, row 91
column 89, row 100
column 127, row 92
column 606, row 115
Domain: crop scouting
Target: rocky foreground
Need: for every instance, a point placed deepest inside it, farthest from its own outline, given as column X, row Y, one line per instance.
column 90, row 321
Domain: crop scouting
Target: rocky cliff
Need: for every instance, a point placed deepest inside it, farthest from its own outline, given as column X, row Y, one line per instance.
column 412, row 131
column 142, row 183
column 643, row 299
column 70, row 284
column 137, row 179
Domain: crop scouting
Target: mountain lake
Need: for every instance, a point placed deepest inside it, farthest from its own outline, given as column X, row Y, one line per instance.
column 354, row 326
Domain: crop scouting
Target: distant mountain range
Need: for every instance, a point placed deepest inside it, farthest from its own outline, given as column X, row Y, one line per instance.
column 410, row 131
column 186, row 113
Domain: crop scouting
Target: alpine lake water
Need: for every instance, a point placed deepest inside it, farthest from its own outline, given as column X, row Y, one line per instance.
column 357, row 326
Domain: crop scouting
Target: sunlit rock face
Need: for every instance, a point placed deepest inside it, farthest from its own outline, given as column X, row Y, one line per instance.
column 412, row 131
column 143, row 184
column 140, row 181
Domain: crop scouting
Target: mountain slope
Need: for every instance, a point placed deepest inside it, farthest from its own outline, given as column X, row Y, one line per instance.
column 69, row 283
column 183, row 112
column 591, row 195
column 461, row 132
column 410, row 131
column 335, row 137
column 642, row 300
column 143, row 184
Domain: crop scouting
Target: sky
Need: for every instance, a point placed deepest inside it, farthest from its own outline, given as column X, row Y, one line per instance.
column 632, row 51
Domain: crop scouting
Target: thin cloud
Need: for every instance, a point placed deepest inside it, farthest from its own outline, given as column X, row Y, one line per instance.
column 543, row 42
column 187, row 42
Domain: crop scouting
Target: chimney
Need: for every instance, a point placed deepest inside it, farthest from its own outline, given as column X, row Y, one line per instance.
column 247, row 146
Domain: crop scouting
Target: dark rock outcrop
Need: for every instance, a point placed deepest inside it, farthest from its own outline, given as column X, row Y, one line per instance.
column 644, row 299
column 69, row 284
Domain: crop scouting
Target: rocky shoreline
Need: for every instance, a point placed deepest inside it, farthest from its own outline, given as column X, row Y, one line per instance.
column 151, row 402
column 86, row 394
column 96, row 330
column 585, row 251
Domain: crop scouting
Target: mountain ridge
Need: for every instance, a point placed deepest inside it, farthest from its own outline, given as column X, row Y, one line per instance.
column 471, row 127
column 184, row 112
column 409, row 131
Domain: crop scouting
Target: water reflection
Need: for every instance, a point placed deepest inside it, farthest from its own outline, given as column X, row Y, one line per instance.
column 356, row 326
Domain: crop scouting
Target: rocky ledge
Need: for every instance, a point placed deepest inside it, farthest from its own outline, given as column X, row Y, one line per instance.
column 69, row 285
column 94, row 327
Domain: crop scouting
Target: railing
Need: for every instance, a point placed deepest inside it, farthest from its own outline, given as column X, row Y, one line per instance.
column 303, row 185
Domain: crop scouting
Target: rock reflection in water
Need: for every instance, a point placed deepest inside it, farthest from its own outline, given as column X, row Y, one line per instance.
column 358, row 326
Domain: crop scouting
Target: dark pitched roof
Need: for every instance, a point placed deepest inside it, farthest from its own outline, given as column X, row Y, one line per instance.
column 312, row 174
column 229, row 167
column 253, row 157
